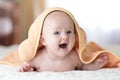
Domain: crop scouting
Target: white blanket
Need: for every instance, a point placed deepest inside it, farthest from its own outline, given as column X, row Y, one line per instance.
column 12, row 73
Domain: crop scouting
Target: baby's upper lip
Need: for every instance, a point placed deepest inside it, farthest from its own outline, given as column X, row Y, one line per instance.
column 63, row 45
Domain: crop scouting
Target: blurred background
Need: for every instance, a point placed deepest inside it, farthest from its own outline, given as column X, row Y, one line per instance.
column 99, row 18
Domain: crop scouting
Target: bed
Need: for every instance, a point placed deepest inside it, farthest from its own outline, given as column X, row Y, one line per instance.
column 11, row 73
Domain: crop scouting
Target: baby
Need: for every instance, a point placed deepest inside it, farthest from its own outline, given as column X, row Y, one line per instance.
column 58, row 54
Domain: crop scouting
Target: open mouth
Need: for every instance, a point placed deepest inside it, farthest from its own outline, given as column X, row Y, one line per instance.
column 63, row 45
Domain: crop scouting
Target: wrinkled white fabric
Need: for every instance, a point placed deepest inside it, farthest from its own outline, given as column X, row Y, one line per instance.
column 11, row 73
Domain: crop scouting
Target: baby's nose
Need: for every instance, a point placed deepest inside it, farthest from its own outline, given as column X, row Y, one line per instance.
column 64, row 37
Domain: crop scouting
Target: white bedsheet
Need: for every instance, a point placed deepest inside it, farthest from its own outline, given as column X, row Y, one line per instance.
column 12, row 73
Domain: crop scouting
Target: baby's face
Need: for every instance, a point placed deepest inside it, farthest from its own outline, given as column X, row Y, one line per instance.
column 58, row 33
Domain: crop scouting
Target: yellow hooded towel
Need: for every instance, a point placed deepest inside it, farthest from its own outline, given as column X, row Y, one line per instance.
column 28, row 48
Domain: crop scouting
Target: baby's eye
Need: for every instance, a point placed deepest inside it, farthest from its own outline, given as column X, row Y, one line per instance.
column 56, row 32
column 68, row 32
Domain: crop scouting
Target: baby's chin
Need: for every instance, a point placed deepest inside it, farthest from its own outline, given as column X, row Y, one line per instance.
column 63, row 52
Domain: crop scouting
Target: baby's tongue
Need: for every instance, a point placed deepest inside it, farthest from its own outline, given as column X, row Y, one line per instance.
column 64, row 45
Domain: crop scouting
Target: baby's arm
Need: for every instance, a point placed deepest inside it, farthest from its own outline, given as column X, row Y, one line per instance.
column 30, row 66
column 100, row 62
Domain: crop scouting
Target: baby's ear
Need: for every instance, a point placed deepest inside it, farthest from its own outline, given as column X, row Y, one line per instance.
column 42, row 41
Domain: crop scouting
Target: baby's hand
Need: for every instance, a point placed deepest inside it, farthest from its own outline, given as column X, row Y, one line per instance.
column 100, row 62
column 26, row 68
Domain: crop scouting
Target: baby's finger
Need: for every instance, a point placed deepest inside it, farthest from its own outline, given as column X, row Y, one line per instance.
column 31, row 69
column 21, row 70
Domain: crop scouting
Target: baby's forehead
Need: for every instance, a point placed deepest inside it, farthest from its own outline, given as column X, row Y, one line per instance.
column 57, row 18
column 57, row 13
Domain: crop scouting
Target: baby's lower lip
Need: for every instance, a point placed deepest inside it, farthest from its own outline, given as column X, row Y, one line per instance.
column 63, row 46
